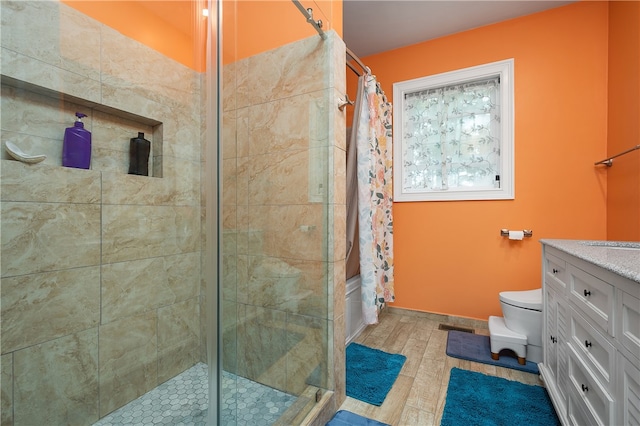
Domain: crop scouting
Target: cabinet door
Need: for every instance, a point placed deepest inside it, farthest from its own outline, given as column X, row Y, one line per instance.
column 628, row 397
column 555, row 345
column 551, row 337
column 628, row 322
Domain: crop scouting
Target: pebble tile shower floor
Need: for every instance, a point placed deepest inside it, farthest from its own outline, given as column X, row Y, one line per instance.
column 182, row 401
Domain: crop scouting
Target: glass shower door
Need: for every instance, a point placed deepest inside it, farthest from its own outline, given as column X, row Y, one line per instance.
column 102, row 294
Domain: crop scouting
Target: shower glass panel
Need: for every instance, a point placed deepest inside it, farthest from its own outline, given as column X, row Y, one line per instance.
column 277, row 213
column 102, row 286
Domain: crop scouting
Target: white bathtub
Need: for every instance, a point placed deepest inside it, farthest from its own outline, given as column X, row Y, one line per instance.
column 353, row 309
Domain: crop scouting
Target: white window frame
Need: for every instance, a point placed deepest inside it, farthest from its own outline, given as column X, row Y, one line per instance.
column 506, row 190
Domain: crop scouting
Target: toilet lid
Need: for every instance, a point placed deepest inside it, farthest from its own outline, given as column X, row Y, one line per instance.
column 530, row 299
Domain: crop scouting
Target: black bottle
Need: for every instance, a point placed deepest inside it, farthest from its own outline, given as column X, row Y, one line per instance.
column 139, row 155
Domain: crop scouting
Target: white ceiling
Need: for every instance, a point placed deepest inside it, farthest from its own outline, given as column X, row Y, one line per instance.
column 374, row 26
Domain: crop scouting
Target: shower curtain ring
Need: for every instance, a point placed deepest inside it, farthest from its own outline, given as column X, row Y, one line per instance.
column 344, row 102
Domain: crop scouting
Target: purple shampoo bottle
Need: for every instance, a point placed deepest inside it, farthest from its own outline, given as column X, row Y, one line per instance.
column 76, row 147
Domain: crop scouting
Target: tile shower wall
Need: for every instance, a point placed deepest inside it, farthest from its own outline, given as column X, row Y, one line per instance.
column 284, row 214
column 100, row 270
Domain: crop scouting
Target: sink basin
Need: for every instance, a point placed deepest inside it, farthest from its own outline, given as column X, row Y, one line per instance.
column 618, row 245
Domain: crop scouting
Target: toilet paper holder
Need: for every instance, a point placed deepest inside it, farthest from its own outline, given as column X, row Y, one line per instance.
column 527, row 232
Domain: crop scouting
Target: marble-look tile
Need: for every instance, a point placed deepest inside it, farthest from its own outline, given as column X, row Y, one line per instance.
column 41, row 307
column 230, row 336
column 229, row 86
column 140, row 103
column 56, row 382
column 338, row 238
column 182, row 136
column 32, row 145
column 289, row 231
column 35, row 114
column 38, row 237
column 178, row 338
column 307, row 356
column 337, row 55
column 138, row 232
column 229, row 180
column 6, row 389
column 58, row 35
column 181, row 178
column 289, row 70
column 243, row 96
column 48, row 184
column 128, row 360
column 284, row 284
column 229, row 124
column 128, row 64
column 297, row 122
column 338, row 176
column 283, row 177
column 338, row 122
column 137, row 286
column 336, row 289
column 242, row 132
column 262, row 345
column 337, row 354
column 22, row 68
column 111, row 137
column 180, row 186
column 243, row 171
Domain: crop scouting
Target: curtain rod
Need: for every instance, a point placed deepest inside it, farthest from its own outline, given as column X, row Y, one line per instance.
column 609, row 161
column 358, row 61
column 308, row 13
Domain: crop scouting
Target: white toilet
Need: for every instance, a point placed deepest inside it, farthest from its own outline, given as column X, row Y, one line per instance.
column 520, row 330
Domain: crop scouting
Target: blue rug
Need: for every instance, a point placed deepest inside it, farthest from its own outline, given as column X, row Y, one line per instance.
column 347, row 418
column 475, row 347
column 475, row 399
column 371, row 373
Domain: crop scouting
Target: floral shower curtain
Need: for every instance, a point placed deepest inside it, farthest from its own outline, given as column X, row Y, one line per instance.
column 374, row 157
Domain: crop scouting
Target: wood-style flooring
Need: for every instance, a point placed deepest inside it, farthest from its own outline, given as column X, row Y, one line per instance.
column 418, row 395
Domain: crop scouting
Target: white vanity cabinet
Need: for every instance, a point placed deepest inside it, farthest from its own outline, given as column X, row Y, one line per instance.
column 591, row 334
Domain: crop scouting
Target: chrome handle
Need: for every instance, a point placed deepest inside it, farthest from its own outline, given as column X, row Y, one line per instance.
column 587, row 343
column 587, row 293
column 585, row 388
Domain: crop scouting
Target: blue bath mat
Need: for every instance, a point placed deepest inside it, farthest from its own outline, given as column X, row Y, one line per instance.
column 475, row 347
column 347, row 418
column 476, row 399
column 371, row 373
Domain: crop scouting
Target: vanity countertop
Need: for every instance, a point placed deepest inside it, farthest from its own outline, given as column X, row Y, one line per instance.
column 620, row 257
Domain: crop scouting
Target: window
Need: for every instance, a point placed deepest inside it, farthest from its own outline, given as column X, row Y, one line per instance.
column 454, row 135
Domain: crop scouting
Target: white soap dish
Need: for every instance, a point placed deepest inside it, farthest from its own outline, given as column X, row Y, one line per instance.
column 20, row 155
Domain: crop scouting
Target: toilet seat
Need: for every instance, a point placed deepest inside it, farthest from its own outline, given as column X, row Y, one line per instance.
column 528, row 299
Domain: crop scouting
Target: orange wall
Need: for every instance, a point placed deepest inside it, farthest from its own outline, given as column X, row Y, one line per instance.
column 449, row 256
column 623, row 203
column 255, row 26
column 175, row 28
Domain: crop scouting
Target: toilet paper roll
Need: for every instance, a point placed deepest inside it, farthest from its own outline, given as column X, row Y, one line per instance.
column 516, row 235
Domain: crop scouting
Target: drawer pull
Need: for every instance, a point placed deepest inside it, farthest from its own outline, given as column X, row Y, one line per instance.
column 585, row 388
column 553, row 339
column 587, row 343
column 587, row 293
column 555, row 271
